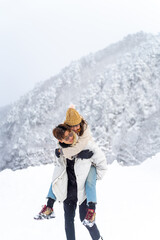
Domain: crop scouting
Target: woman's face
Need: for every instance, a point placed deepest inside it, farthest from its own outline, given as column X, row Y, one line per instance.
column 75, row 128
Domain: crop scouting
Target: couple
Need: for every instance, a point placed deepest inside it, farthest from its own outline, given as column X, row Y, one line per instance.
column 80, row 162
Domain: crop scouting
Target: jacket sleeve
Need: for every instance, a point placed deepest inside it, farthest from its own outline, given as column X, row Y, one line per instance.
column 99, row 161
column 79, row 146
column 101, row 168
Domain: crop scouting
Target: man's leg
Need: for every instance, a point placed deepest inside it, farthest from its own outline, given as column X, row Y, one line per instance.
column 69, row 215
column 94, row 232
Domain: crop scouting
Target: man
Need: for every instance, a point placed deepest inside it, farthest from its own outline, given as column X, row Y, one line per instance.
column 68, row 184
column 71, row 187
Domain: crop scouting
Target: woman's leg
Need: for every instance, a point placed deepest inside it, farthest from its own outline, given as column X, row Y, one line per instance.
column 94, row 232
column 69, row 215
column 50, row 193
column 51, row 198
column 90, row 185
column 47, row 210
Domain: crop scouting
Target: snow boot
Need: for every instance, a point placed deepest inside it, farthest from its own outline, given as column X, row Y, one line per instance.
column 45, row 213
column 90, row 218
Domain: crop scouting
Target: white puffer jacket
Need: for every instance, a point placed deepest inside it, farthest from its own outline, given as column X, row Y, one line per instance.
column 81, row 168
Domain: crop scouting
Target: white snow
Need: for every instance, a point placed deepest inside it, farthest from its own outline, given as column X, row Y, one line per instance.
column 128, row 204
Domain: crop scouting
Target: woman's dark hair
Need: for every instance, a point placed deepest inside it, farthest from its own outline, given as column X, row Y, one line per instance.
column 83, row 126
column 59, row 131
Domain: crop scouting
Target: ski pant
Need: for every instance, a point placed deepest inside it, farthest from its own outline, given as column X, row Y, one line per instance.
column 69, row 215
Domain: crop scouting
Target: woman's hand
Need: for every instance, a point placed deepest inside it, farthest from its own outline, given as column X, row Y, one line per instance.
column 85, row 154
column 57, row 152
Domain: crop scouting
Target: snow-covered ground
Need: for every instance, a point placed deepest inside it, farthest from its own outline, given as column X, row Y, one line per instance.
column 128, row 204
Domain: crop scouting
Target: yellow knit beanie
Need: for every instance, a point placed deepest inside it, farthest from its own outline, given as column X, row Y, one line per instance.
column 72, row 117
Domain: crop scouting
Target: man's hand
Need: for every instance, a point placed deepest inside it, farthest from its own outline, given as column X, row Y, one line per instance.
column 85, row 154
column 57, row 152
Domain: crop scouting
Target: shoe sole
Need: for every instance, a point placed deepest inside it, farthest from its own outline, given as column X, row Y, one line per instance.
column 41, row 217
column 49, row 217
column 87, row 223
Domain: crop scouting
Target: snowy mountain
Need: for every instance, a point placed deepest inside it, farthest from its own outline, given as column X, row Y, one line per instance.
column 117, row 90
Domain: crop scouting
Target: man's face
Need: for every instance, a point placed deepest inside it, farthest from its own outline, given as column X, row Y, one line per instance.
column 68, row 138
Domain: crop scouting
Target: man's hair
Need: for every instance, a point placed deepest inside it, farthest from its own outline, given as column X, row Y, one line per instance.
column 59, row 131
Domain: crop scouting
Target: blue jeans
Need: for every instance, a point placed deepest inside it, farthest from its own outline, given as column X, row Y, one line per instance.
column 90, row 187
column 51, row 194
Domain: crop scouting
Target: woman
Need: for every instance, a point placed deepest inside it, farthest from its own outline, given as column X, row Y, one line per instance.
column 81, row 128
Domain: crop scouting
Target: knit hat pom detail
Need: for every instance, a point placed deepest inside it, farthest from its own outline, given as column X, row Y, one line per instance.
column 72, row 106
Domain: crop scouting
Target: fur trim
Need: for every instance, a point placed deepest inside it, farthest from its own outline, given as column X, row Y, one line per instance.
column 75, row 138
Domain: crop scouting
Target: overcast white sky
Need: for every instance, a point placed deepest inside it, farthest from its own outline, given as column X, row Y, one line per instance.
column 40, row 37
